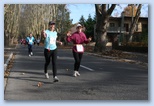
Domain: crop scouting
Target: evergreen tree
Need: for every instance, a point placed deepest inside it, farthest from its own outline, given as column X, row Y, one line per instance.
column 82, row 20
column 89, row 26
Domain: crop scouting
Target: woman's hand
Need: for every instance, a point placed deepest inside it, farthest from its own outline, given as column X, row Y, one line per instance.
column 69, row 33
column 89, row 39
column 43, row 33
column 61, row 43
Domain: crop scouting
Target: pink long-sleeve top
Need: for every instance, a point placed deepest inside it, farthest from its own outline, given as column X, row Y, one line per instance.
column 77, row 38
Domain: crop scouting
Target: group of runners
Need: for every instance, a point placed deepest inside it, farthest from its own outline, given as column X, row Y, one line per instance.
column 50, row 48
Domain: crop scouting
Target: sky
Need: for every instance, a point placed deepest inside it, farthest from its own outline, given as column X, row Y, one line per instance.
column 77, row 10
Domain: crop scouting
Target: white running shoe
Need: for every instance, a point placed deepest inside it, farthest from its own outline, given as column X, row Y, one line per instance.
column 47, row 75
column 55, row 79
column 76, row 73
column 31, row 53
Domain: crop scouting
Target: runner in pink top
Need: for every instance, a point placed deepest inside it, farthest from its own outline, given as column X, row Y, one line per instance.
column 78, row 38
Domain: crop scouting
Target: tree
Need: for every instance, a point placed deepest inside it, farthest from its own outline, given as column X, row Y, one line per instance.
column 36, row 18
column 11, row 23
column 130, row 10
column 134, row 22
column 64, row 22
column 89, row 27
column 102, row 17
column 82, row 20
column 22, row 19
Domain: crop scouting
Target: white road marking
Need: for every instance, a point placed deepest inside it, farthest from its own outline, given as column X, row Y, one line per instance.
column 86, row 68
column 80, row 65
column 65, row 58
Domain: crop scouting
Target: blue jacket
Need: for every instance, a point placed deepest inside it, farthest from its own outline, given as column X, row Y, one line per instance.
column 30, row 40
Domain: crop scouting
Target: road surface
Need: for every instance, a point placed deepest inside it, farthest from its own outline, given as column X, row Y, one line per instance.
column 101, row 79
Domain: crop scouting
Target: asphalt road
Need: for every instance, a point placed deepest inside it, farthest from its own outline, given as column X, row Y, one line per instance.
column 101, row 79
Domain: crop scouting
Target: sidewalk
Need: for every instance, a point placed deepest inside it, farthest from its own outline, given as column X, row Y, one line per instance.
column 141, row 57
column 129, row 57
column 8, row 50
column 119, row 54
column 8, row 55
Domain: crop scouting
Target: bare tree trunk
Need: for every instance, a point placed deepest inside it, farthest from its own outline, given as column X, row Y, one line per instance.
column 102, row 15
column 11, row 23
column 135, row 21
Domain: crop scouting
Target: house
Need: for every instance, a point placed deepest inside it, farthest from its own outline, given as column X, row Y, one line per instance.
column 118, row 28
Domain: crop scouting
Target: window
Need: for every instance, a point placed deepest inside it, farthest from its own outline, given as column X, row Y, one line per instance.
column 112, row 24
column 144, row 27
column 138, row 27
column 127, row 27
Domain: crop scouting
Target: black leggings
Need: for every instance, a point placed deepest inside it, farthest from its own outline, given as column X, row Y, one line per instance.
column 48, row 55
column 29, row 48
column 77, row 58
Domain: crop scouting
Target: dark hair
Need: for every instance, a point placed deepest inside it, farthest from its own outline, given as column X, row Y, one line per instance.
column 51, row 23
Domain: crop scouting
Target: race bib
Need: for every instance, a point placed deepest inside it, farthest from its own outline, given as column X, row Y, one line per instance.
column 52, row 40
column 79, row 48
column 30, row 40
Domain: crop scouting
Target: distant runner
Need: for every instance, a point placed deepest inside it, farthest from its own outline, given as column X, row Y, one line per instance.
column 30, row 41
column 38, row 42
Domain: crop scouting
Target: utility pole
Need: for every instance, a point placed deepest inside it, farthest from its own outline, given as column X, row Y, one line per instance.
column 131, row 35
column 120, row 39
column 132, row 12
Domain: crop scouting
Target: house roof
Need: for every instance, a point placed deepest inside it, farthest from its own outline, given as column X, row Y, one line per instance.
column 127, row 17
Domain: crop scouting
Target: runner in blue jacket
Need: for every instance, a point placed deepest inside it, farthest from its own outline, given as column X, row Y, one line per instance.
column 30, row 41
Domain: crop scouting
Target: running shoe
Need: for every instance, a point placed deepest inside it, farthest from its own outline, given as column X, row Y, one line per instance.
column 46, row 75
column 55, row 79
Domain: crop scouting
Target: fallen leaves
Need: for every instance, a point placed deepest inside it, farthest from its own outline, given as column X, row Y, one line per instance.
column 22, row 73
column 9, row 66
column 67, row 69
column 39, row 84
column 6, row 74
column 118, row 53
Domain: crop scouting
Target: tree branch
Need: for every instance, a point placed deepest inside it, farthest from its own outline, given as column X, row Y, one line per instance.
column 110, row 10
column 98, row 11
column 103, row 7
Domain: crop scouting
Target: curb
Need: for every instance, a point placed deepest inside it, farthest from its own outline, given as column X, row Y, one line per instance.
column 118, row 59
column 7, row 61
column 5, row 67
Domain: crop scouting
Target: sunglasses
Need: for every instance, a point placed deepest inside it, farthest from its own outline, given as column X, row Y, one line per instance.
column 51, row 24
column 79, row 27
